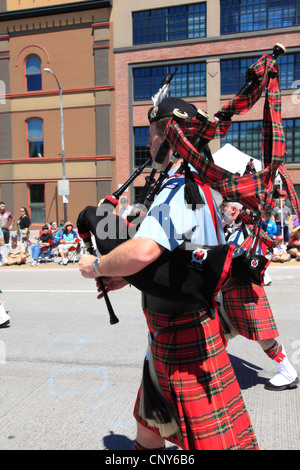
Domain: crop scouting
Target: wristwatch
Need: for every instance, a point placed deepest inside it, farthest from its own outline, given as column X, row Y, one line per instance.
column 95, row 267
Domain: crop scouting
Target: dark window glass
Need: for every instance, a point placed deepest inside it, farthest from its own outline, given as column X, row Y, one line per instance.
column 247, row 137
column 33, row 73
column 189, row 80
column 251, row 15
column 169, row 24
column 35, row 139
column 141, row 151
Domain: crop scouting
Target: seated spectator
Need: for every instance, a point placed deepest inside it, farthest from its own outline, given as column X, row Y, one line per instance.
column 67, row 241
column 45, row 240
column 280, row 251
column 269, row 225
column 54, row 228
column 293, row 246
column 16, row 252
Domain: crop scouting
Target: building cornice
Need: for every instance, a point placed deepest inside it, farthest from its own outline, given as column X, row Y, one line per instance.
column 54, row 9
column 10, row 161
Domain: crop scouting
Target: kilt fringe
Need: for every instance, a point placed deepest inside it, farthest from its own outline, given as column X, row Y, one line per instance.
column 153, row 407
column 228, row 328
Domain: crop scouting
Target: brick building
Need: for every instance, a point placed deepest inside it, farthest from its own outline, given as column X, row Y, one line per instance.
column 73, row 40
column 212, row 43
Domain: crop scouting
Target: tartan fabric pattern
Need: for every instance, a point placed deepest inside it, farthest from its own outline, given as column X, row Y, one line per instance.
column 250, row 312
column 274, row 351
column 255, row 190
column 197, row 378
column 247, row 188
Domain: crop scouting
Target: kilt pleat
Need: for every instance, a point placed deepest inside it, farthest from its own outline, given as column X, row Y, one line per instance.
column 250, row 312
column 196, row 377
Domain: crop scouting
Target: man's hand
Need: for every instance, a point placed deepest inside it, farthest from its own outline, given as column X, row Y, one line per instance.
column 86, row 266
column 110, row 283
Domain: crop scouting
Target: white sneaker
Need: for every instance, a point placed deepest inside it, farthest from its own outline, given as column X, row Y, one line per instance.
column 285, row 378
column 65, row 261
column 34, row 263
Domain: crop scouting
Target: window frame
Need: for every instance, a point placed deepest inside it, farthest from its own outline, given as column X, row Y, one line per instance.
column 241, row 143
column 267, row 8
column 27, row 75
column 188, row 78
column 32, row 139
column 37, row 205
column 151, row 22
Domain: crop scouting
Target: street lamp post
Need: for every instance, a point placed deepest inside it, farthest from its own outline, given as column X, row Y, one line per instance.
column 62, row 135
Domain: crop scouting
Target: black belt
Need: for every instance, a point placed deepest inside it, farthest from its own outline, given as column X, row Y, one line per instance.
column 183, row 326
column 157, row 304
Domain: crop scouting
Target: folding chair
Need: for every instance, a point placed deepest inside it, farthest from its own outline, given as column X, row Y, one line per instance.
column 74, row 252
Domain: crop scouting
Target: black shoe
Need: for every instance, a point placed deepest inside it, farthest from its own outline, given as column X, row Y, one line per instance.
column 5, row 324
column 270, row 386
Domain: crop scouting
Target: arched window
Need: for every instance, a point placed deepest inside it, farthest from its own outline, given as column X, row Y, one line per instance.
column 35, row 140
column 33, row 73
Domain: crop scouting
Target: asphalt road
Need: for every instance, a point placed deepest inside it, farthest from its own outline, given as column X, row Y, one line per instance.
column 68, row 379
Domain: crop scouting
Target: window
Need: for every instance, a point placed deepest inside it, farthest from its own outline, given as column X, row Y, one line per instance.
column 141, row 151
column 169, row 24
column 289, row 70
column 292, row 139
column 251, row 15
column 35, row 141
column 233, row 72
column 33, row 73
column 189, row 80
column 247, row 137
column 37, row 203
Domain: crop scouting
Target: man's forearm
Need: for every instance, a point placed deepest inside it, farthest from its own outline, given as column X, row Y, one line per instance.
column 128, row 258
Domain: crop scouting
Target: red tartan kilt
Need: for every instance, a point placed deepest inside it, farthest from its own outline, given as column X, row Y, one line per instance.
column 196, row 376
column 250, row 312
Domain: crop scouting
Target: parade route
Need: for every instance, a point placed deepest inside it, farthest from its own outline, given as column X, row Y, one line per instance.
column 68, row 379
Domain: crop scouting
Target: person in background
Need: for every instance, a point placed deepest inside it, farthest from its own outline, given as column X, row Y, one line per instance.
column 282, row 210
column 280, row 253
column 269, row 225
column 45, row 240
column 66, row 241
column 6, row 221
column 24, row 223
column 124, row 205
column 16, row 252
column 293, row 246
column 249, row 310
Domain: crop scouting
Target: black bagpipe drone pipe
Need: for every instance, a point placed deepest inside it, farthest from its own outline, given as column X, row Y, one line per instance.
column 179, row 275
